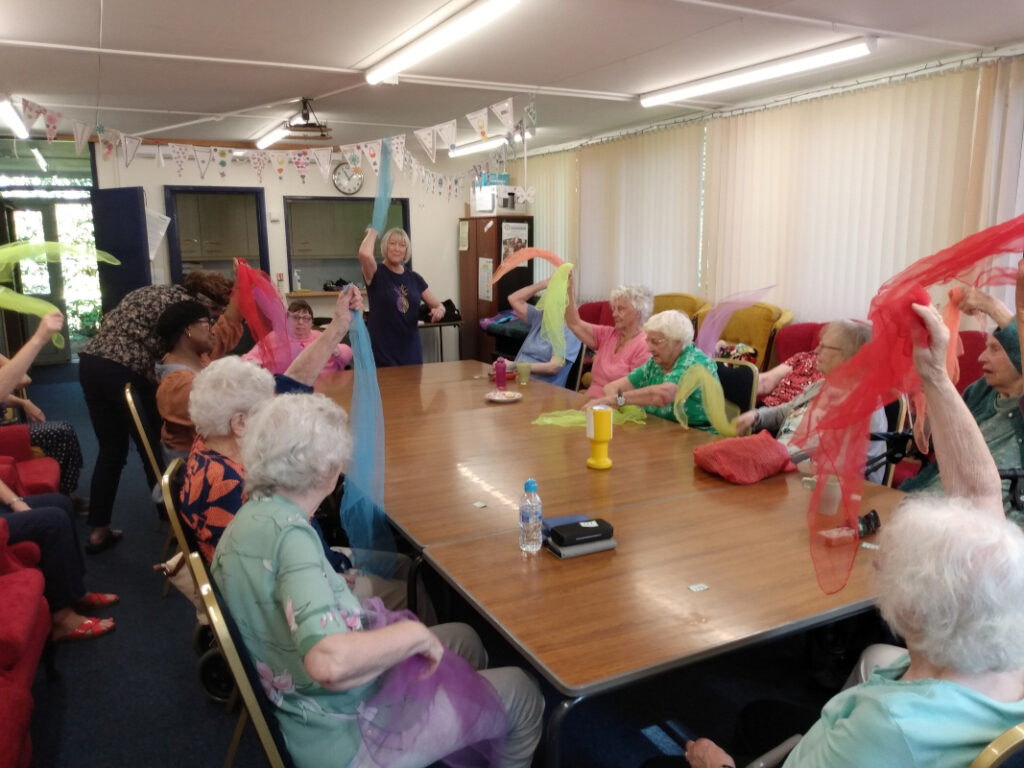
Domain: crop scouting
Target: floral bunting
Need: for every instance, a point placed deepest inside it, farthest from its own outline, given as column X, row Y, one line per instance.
column 352, row 156
column 372, row 151
column 130, row 145
column 300, row 159
column 259, row 160
column 504, row 112
column 31, row 111
column 426, row 139
column 222, row 159
column 478, row 120
column 108, row 140
column 398, row 150
column 51, row 120
column 446, row 132
column 179, row 153
column 82, row 133
column 280, row 161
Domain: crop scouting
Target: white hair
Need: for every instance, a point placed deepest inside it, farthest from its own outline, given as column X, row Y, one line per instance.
column 293, row 442
column 224, row 388
column 672, row 324
column 402, row 235
column 851, row 335
column 639, row 297
column 951, row 582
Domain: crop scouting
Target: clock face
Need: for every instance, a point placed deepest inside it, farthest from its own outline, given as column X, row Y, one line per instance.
column 347, row 179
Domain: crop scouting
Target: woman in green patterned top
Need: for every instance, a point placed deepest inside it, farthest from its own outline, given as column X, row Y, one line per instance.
column 653, row 385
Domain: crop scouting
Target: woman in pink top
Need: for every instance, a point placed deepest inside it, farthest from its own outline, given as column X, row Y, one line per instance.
column 301, row 335
column 619, row 348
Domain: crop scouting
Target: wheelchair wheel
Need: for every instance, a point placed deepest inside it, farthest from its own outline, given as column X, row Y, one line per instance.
column 202, row 639
column 215, row 676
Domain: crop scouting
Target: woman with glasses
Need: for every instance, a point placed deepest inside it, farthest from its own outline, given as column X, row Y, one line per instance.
column 653, row 385
column 300, row 335
column 193, row 340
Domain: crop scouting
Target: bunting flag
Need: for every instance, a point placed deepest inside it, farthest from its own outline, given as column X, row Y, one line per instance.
column 300, row 159
column 398, row 150
column 131, row 146
column 530, row 110
column 259, row 160
column 426, row 139
column 222, row 159
column 417, row 169
column 51, row 120
column 203, row 156
column 353, row 157
column 108, row 140
column 504, row 112
column 31, row 112
column 160, row 155
column 179, row 153
column 372, row 151
column 82, row 134
column 322, row 155
column 279, row 160
column 478, row 121
column 446, row 132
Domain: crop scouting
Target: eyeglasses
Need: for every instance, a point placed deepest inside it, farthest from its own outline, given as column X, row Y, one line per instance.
column 822, row 347
column 302, row 318
column 657, row 342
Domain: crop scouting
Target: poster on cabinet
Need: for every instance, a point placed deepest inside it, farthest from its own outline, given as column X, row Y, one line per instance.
column 515, row 235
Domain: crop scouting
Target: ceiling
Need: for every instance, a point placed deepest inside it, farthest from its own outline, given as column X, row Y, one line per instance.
column 210, row 70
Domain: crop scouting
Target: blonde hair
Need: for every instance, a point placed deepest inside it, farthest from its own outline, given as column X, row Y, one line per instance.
column 396, row 232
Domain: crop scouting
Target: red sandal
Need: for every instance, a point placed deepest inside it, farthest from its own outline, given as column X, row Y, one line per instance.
column 89, row 628
column 98, row 600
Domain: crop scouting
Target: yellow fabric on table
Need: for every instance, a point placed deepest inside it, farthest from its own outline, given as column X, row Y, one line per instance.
column 576, row 418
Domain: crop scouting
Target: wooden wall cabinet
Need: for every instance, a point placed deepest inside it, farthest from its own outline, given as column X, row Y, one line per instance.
column 484, row 242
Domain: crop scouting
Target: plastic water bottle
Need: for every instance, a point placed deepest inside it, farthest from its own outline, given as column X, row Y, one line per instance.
column 530, row 517
column 499, row 373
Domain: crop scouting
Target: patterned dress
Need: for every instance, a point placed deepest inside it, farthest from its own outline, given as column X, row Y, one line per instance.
column 214, row 490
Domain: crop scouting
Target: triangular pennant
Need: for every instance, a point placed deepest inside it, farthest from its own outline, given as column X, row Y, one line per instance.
column 160, row 155
column 279, row 160
column 82, row 133
column 504, row 112
column 478, row 120
column 222, row 159
column 259, row 160
column 300, row 159
column 372, row 151
column 322, row 155
column 52, row 120
column 31, row 112
column 109, row 137
column 530, row 110
column 398, row 150
column 447, row 132
column 417, row 169
column 426, row 138
column 203, row 156
column 179, row 153
column 131, row 146
column 352, row 156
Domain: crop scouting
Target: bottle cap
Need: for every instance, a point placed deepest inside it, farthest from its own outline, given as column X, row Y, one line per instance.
column 530, row 486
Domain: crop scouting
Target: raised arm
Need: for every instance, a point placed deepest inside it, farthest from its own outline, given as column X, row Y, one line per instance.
column 518, row 299
column 14, row 371
column 584, row 331
column 978, row 301
column 968, row 469
column 366, row 258
column 311, row 361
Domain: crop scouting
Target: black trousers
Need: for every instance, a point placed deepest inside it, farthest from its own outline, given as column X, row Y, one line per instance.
column 103, row 384
column 50, row 524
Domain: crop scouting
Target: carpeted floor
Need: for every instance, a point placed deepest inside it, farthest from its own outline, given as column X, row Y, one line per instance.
column 132, row 698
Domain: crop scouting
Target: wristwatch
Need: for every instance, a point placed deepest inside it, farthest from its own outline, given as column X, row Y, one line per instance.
column 620, row 399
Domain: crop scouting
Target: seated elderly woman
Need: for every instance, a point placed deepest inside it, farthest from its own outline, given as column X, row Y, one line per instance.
column 300, row 621
column 950, row 577
column 653, row 385
column 536, row 351
column 194, row 340
column 840, row 341
column 621, row 348
column 300, row 336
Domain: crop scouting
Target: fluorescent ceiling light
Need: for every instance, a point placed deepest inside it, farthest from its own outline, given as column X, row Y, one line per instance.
column 39, row 158
column 478, row 146
column 448, row 33
column 772, row 70
column 519, row 136
column 11, row 118
column 272, row 137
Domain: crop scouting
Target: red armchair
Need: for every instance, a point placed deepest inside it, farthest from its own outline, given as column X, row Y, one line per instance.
column 25, row 474
column 23, row 634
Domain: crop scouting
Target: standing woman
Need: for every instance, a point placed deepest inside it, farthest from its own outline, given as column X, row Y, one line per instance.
column 394, row 294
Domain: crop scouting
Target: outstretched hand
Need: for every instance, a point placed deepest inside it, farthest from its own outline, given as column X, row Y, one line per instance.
column 50, row 324
column 930, row 360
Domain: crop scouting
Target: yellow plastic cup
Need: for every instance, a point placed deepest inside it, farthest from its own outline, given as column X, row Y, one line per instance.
column 522, row 374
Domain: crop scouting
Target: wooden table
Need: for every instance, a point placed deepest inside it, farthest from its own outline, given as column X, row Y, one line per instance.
column 599, row 622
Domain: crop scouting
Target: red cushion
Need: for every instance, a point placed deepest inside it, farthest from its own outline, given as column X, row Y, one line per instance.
column 39, row 476
column 597, row 313
column 744, row 460
column 796, row 337
column 15, row 442
column 15, row 714
column 20, row 598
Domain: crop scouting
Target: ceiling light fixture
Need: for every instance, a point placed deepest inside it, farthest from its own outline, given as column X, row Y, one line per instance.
column 478, row 146
column 39, row 158
column 448, row 33
column 519, row 136
column 11, row 118
column 272, row 137
column 759, row 73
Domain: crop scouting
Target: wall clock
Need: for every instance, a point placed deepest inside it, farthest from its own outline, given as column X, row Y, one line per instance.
column 347, row 179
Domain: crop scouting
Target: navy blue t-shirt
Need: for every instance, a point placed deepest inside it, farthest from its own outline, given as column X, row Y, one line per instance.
column 394, row 315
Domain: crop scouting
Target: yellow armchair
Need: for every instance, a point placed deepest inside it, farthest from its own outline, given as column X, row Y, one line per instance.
column 755, row 326
column 684, row 302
